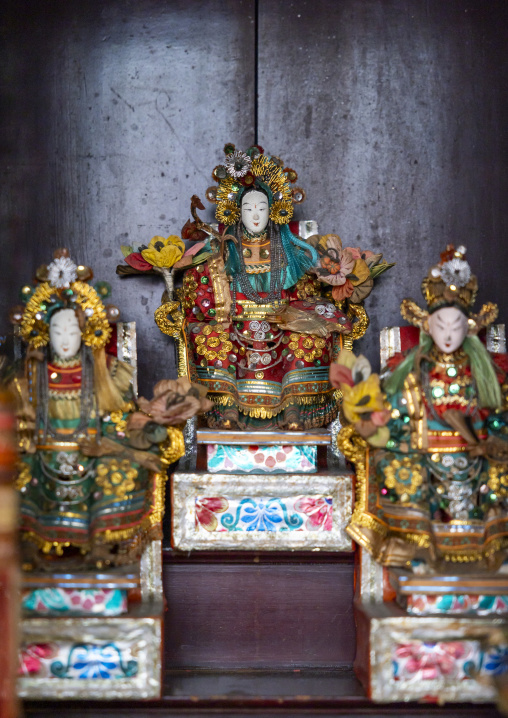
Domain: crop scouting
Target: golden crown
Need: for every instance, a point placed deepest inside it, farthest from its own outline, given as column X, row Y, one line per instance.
column 450, row 282
column 63, row 284
column 242, row 170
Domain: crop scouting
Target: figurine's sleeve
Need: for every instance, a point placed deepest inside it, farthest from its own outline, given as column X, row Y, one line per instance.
column 198, row 299
column 121, row 373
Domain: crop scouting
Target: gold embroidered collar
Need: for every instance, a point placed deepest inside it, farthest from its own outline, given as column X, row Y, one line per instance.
column 66, row 363
column 457, row 358
column 248, row 238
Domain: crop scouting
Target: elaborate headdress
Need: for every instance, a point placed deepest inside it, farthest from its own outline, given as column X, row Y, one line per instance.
column 63, row 285
column 243, row 170
column 450, row 283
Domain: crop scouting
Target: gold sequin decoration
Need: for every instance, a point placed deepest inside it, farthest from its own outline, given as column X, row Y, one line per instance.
column 200, row 339
column 308, row 357
column 222, row 355
column 307, row 343
column 307, row 287
column 227, row 346
column 211, row 356
column 299, row 353
column 498, row 479
column 189, row 291
column 259, row 375
column 201, row 349
column 174, row 449
column 207, row 330
column 224, row 337
column 24, row 475
column 319, row 343
column 213, row 341
column 293, row 345
column 294, row 337
column 399, row 471
column 116, row 477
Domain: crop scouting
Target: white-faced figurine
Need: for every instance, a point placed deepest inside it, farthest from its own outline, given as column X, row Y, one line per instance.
column 255, row 211
column 65, row 334
column 448, row 328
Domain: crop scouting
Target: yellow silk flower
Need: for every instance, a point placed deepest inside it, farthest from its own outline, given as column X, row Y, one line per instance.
column 164, row 252
column 361, row 271
column 362, row 398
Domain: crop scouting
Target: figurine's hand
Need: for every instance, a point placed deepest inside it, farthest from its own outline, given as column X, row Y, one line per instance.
column 92, row 448
column 297, row 320
column 175, row 401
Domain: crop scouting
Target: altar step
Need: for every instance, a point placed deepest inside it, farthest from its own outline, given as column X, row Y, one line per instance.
column 257, row 633
column 301, row 692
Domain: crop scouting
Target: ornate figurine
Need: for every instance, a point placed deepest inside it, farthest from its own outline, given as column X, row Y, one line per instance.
column 265, row 311
column 91, row 470
column 432, row 466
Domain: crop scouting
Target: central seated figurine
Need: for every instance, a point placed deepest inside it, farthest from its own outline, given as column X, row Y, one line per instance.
column 262, row 332
column 265, row 311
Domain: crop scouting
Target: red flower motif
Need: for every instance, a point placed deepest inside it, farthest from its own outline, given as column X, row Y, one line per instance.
column 136, row 261
column 340, row 374
column 190, row 231
column 431, row 660
column 248, row 179
column 319, row 511
column 343, row 291
column 30, row 658
column 206, row 508
column 448, row 253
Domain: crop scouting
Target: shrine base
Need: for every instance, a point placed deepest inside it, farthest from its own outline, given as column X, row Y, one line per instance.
column 93, row 636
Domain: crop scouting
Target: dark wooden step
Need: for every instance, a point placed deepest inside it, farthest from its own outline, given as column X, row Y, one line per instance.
column 244, row 693
column 228, row 611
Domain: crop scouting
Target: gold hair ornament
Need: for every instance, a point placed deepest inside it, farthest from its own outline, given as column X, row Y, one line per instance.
column 35, row 324
column 233, row 179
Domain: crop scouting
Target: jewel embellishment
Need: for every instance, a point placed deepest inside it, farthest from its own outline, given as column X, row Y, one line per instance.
column 238, row 164
column 61, row 272
column 457, row 272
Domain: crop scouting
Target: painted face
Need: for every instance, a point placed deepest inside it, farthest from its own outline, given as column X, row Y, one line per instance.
column 64, row 334
column 255, row 212
column 448, row 328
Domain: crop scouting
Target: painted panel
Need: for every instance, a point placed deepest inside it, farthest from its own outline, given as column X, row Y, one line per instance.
column 409, row 660
column 85, row 602
column 224, row 458
column 456, row 604
column 268, row 512
column 96, row 659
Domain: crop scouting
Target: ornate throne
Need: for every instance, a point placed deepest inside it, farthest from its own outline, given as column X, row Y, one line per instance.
column 252, row 490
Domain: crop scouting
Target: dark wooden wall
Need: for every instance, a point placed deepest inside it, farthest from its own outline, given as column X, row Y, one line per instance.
column 114, row 112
